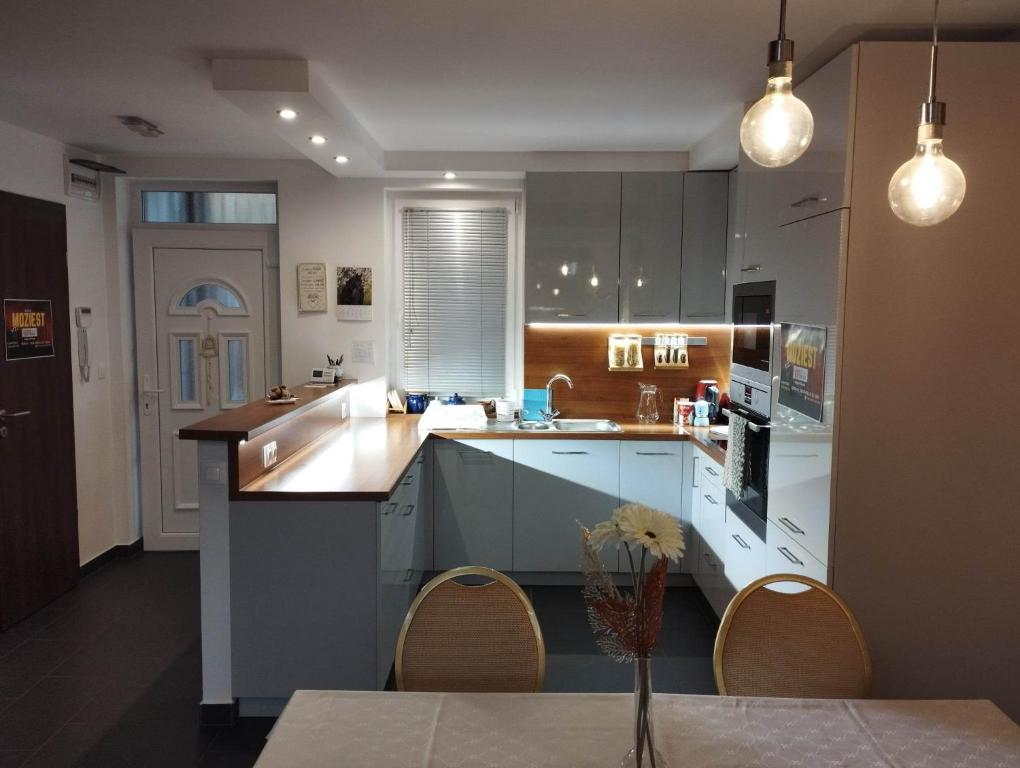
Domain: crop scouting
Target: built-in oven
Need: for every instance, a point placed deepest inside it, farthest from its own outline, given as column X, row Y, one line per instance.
column 753, row 313
column 750, row 500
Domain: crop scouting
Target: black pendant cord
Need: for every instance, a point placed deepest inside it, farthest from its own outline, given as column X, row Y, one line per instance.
column 782, row 19
column 934, row 51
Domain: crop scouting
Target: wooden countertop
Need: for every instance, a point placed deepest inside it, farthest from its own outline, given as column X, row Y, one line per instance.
column 361, row 460
column 253, row 419
column 364, row 459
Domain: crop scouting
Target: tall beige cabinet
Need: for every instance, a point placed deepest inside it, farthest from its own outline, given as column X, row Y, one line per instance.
column 925, row 540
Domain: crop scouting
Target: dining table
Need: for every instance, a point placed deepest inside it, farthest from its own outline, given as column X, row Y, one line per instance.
column 387, row 729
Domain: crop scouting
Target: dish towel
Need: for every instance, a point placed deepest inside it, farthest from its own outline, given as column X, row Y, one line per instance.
column 733, row 470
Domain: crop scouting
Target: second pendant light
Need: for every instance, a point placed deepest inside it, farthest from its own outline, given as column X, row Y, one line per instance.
column 778, row 128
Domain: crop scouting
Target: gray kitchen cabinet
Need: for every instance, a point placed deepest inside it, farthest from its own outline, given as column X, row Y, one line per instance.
column 473, row 503
column 572, row 247
column 651, row 237
column 734, row 237
column 558, row 483
column 703, row 270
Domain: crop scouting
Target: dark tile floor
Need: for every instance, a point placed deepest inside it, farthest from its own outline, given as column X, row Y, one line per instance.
column 109, row 675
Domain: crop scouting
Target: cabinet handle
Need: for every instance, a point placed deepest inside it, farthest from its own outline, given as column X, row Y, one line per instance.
column 712, row 472
column 697, row 474
column 794, row 528
column 407, row 480
column 390, row 508
column 571, row 314
column 649, row 314
column 790, row 556
column 654, row 453
column 737, row 538
column 816, row 198
column 710, row 499
column 752, row 268
column 570, row 453
column 409, row 575
column 407, row 510
column 708, row 559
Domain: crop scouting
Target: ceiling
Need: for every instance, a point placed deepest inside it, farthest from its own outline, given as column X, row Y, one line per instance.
column 431, row 75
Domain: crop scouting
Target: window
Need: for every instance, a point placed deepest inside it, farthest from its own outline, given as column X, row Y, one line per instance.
column 214, row 292
column 197, row 207
column 455, row 294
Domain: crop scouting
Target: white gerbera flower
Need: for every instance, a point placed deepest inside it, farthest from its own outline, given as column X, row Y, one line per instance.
column 657, row 531
column 606, row 532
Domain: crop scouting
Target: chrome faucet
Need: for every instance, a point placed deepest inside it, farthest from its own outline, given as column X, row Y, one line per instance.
column 551, row 413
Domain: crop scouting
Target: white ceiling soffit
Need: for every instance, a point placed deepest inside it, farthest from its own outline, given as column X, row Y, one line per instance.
column 262, row 87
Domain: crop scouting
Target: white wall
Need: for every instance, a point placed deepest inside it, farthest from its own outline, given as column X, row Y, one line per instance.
column 33, row 166
column 322, row 218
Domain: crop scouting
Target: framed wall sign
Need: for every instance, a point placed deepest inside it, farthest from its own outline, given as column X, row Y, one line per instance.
column 311, row 278
column 353, row 293
column 802, row 376
column 28, row 328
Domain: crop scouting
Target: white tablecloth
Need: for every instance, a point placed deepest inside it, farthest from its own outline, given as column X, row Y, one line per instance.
column 433, row 730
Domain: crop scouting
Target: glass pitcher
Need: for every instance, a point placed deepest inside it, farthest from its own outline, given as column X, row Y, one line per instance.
column 648, row 403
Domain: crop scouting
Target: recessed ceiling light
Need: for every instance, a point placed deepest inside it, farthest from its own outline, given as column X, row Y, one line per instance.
column 286, row 113
column 342, row 159
column 317, row 139
column 449, row 175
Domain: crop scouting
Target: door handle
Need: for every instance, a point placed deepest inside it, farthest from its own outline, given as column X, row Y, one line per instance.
column 5, row 415
column 752, row 268
column 809, row 199
column 570, row 453
column 794, row 528
column 653, row 453
column 790, row 556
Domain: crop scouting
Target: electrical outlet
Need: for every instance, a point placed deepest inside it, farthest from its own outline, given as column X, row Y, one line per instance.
column 269, row 454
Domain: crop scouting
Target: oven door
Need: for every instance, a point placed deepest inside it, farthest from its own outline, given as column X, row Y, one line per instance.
column 751, row 505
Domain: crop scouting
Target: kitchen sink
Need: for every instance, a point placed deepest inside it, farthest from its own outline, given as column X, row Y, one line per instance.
column 586, row 425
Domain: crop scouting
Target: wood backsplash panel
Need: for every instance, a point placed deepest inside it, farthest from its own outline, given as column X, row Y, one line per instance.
column 582, row 353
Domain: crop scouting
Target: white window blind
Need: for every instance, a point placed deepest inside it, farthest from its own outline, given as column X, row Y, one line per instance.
column 455, row 282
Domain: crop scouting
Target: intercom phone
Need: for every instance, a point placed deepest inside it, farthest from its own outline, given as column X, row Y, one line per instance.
column 83, row 319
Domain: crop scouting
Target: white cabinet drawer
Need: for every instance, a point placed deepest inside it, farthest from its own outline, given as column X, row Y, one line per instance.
column 745, row 553
column 652, row 473
column 712, row 516
column 711, row 472
column 800, row 467
column 784, row 555
column 558, row 483
column 711, row 579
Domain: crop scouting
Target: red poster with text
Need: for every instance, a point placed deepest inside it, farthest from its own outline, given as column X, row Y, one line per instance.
column 28, row 328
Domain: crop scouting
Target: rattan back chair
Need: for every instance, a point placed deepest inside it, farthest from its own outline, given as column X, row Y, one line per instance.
column 801, row 644
column 471, row 637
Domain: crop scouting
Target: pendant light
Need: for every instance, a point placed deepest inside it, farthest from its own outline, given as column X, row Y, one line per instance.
column 778, row 128
column 929, row 187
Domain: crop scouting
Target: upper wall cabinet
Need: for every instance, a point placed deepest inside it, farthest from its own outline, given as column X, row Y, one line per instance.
column 572, row 247
column 703, row 271
column 651, row 233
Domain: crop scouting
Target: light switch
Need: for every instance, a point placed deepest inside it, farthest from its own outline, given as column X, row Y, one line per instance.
column 363, row 352
column 269, row 454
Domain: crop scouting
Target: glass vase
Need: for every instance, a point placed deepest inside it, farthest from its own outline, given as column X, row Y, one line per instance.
column 643, row 753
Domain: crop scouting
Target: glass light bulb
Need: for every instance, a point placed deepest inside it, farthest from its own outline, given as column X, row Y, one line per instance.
column 594, row 281
column 564, row 270
column 640, row 282
column 777, row 129
column 928, row 188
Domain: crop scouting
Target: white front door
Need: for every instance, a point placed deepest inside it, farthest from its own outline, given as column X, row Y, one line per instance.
column 201, row 328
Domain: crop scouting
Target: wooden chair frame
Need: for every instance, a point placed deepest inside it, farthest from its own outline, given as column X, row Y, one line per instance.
column 738, row 599
column 452, row 575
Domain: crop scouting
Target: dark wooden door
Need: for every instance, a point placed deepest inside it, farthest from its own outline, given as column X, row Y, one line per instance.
column 38, row 502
